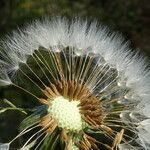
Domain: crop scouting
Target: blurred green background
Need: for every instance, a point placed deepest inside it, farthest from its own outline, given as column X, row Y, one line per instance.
column 130, row 17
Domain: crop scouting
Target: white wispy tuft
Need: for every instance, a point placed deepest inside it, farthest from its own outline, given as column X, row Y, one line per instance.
column 57, row 33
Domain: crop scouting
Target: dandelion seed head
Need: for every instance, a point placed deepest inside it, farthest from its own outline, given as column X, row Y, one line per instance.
column 90, row 80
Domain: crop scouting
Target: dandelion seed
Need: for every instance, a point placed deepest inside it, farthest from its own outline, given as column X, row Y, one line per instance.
column 92, row 89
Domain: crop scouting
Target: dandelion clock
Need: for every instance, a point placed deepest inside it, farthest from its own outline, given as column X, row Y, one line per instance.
column 92, row 91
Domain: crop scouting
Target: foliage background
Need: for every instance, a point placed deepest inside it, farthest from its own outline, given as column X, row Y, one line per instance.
column 131, row 17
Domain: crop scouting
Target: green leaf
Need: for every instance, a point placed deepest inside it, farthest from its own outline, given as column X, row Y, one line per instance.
column 11, row 107
column 2, row 110
column 50, row 141
column 9, row 103
column 33, row 118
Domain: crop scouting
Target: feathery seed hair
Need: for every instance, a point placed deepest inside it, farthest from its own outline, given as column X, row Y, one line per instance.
column 93, row 90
